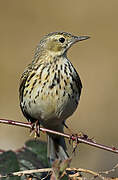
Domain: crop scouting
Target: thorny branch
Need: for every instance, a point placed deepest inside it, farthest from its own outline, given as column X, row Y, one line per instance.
column 77, row 138
column 76, row 171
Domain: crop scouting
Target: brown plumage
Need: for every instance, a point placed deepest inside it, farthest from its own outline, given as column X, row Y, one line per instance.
column 50, row 88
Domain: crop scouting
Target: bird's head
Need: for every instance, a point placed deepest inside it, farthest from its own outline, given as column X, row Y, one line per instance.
column 57, row 43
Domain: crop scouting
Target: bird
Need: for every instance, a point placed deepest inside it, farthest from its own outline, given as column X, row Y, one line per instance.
column 50, row 89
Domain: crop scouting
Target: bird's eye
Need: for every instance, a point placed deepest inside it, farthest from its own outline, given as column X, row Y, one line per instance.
column 61, row 39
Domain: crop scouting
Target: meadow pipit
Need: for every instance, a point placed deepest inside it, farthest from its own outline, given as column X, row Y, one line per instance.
column 50, row 88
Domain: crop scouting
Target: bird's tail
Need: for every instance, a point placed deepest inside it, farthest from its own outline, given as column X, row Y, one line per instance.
column 56, row 149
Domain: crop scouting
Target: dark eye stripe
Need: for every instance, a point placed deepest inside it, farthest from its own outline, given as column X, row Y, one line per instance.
column 61, row 39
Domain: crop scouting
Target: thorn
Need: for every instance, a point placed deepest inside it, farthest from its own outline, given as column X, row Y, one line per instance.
column 114, row 148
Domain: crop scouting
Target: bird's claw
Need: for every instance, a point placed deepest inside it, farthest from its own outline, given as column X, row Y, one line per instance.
column 35, row 128
column 75, row 141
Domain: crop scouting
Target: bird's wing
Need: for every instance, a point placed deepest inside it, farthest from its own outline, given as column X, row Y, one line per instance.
column 79, row 83
column 23, row 80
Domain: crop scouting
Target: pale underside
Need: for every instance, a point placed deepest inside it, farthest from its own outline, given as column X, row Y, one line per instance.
column 52, row 98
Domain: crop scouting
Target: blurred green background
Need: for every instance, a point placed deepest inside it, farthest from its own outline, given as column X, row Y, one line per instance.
column 22, row 25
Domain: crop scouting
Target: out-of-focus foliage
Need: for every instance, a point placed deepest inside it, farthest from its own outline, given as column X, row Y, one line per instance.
column 32, row 156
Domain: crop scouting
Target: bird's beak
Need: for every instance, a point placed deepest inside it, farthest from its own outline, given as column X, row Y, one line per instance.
column 77, row 39
column 81, row 38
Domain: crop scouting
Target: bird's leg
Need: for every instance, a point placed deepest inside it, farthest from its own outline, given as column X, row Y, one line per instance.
column 74, row 137
column 80, row 134
column 32, row 128
column 70, row 131
column 35, row 127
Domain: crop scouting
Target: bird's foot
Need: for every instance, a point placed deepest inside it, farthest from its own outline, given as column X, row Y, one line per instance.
column 35, row 128
column 69, row 130
column 75, row 141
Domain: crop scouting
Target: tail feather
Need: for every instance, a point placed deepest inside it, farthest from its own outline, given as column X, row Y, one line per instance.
column 56, row 149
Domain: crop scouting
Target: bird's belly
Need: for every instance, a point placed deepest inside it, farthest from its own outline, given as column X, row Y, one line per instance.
column 52, row 94
column 51, row 104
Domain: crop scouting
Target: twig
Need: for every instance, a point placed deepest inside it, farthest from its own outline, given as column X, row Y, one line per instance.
column 76, row 174
column 73, row 138
column 87, row 171
column 27, row 172
column 109, row 171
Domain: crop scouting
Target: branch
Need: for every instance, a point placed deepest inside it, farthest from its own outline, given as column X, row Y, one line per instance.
column 27, row 172
column 79, row 139
column 76, row 173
